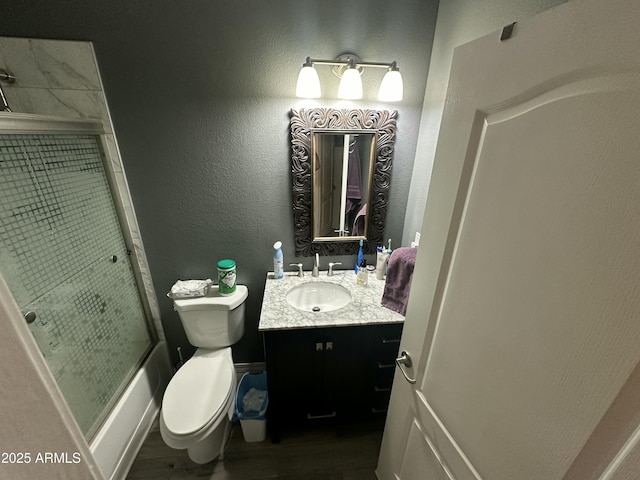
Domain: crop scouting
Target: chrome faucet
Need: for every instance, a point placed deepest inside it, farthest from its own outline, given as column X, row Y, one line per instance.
column 316, row 267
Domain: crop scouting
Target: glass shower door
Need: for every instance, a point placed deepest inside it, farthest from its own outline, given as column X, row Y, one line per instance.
column 64, row 257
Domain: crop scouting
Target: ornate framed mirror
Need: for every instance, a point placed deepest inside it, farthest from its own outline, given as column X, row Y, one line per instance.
column 341, row 173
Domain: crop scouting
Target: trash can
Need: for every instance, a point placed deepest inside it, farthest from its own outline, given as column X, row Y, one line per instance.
column 252, row 400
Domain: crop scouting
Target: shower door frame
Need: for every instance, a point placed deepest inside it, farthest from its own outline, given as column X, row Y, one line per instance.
column 20, row 123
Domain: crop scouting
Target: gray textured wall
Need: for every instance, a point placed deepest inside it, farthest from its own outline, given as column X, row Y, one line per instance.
column 200, row 91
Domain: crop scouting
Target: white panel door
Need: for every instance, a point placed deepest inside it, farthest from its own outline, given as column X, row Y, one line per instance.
column 524, row 316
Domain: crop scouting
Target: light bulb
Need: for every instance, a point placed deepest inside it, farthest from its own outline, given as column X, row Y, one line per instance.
column 350, row 87
column 391, row 87
column 308, row 85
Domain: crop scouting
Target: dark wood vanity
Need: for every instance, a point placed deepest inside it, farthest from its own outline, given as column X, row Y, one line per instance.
column 327, row 366
column 339, row 373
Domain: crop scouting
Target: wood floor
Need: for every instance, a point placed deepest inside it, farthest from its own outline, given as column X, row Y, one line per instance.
column 329, row 452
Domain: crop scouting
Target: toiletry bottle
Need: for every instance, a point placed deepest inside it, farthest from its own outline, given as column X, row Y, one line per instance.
column 278, row 264
column 381, row 262
column 362, row 277
column 388, row 251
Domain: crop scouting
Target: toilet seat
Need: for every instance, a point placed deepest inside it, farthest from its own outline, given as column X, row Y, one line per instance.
column 197, row 394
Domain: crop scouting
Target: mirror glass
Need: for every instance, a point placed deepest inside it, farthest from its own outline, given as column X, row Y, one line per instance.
column 341, row 173
column 341, row 180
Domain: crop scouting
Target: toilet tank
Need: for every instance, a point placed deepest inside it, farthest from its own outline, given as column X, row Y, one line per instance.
column 213, row 321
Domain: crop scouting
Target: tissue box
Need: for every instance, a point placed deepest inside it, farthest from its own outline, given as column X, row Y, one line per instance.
column 190, row 288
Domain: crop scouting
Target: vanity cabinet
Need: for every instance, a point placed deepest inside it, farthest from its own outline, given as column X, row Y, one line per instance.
column 341, row 373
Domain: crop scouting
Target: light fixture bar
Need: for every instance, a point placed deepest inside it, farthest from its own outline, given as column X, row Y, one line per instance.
column 349, row 68
column 355, row 64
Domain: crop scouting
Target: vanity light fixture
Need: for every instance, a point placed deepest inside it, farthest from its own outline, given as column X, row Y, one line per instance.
column 348, row 67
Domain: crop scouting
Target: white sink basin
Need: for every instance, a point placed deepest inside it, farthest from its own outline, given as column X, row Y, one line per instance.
column 318, row 297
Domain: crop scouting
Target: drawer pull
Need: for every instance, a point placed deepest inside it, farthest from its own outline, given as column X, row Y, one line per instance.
column 315, row 417
column 381, row 389
column 386, row 365
column 390, row 340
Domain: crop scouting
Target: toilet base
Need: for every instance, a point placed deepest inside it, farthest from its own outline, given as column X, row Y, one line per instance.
column 213, row 442
column 212, row 446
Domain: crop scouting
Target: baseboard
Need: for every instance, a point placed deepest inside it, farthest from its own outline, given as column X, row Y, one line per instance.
column 242, row 368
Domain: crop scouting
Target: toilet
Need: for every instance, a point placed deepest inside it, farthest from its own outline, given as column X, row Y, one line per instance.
column 198, row 403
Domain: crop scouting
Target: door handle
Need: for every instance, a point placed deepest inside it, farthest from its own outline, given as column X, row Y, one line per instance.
column 404, row 360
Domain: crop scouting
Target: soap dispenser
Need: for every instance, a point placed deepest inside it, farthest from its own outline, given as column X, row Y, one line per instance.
column 362, row 277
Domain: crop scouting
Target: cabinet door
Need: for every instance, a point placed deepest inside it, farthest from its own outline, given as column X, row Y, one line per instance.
column 291, row 367
column 344, row 370
column 316, row 373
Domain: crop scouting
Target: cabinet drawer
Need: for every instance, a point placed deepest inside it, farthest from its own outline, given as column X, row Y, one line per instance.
column 386, row 343
column 380, row 399
column 383, row 374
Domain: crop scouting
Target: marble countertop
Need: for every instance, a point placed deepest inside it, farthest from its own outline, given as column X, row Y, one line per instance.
column 364, row 308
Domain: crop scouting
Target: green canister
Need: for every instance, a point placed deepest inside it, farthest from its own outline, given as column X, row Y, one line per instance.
column 227, row 277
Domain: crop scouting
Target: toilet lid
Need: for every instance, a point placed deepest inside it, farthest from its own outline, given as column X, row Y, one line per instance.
column 196, row 393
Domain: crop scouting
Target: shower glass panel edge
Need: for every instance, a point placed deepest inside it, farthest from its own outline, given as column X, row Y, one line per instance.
column 75, row 285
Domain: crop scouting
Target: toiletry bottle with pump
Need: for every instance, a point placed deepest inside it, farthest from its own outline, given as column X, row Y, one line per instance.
column 362, row 277
column 278, row 263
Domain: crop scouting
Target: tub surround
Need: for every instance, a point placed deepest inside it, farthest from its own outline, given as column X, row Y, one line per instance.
column 364, row 308
column 119, row 440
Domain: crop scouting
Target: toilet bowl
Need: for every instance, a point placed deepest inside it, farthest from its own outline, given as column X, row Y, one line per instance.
column 198, row 404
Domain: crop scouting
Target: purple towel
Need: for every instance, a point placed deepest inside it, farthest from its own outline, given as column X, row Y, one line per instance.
column 358, row 223
column 354, row 182
column 354, row 173
column 398, row 283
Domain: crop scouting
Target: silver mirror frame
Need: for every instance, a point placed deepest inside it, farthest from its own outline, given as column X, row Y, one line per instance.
column 303, row 124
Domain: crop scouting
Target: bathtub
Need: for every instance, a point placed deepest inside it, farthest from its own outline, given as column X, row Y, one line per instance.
column 116, row 444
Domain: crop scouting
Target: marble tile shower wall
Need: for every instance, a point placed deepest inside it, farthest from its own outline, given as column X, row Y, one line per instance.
column 61, row 78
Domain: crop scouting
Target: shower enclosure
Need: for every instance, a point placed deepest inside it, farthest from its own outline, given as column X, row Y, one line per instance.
column 67, row 261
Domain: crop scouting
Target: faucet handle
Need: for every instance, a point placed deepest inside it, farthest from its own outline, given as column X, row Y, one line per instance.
column 300, row 271
column 331, row 265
